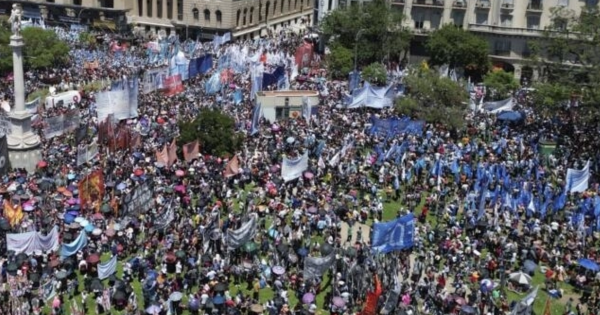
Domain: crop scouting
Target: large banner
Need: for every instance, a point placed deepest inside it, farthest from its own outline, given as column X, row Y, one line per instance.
column 86, row 153
column 32, row 107
column 59, row 125
column 292, row 169
column 121, row 100
column 91, row 190
column 139, row 200
column 201, row 65
column 154, row 79
column 315, row 267
column 173, row 85
column 304, row 55
column 394, row 235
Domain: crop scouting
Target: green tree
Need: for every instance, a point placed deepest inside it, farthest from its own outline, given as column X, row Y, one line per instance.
column 375, row 73
column 373, row 27
column 500, row 84
column 433, row 99
column 567, row 58
column 457, row 48
column 339, row 62
column 42, row 49
column 548, row 97
column 87, row 38
column 215, row 131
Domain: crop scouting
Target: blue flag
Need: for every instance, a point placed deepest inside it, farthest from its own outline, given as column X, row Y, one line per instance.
column 394, row 235
column 256, row 119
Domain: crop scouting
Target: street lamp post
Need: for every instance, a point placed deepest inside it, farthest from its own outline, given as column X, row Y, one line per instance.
column 358, row 35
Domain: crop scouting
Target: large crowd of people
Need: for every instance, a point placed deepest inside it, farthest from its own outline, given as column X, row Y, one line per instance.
column 471, row 255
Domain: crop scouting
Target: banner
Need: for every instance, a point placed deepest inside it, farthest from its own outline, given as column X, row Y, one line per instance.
column 172, row 153
column 121, row 100
column 256, row 114
column 578, row 180
column 13, row 213
column 59, row 125
column 4, row 165
column 93, row 65
column 30, row 242
column 394, row 235
column 173, row 85
column 162, row 156
column 525, row 306
column 499, row 106
column 33, row 106
column 292, row 169
column 72, row 248
column 86, row 153
column 191, row 151
column 154, row 79
column 304, row 55
column 370, row 307
column 315, row 267
column 139, row 200
column 91, row 190
column 48, row 290
column 239, row 237
column 201, row 65
column 108, row 268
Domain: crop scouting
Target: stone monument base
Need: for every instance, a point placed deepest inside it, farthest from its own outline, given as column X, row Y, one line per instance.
column 26, row 158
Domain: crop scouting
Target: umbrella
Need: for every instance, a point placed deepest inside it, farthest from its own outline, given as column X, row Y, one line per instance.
column 278, row 270
column 312, row 209
column 180, row 254
column 54, row 263
column 69, row 218
column 153, row 309
column 308, row 175
column 303, row 252
column 326, row 249
column 117, row 227
column 520, row 278
column 170, row 258
column 256, row 308
column 250, row 247
column 42, row 164
column 338, row 301
column 194, row 305
column 12, row 268
column 74, row 226
column 61, row 274
column 290, row 140
column 109, row 232
column 180, row 188
column 121, row 186
column 459, row 300
column 105, row 208
column 28, row 207
column 176, row 296
column 179, row 173
column 120, row 295
column 93, row 259
column 588, row 264
column 220, row 287
column 282, row 248
column 351, row 252
column 96, row 285
column 529, row 266
column 89, row 228
column 96, row 232
column 308, row 298
column 218, row 300
column 510, row 116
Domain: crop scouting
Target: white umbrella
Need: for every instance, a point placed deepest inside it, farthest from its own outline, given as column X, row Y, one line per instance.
column 520, row 277
column 97, row 232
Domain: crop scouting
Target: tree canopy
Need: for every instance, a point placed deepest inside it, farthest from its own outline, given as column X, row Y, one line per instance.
column 374, row 27
column 339, row 61
column 434, row 99
column 567, row 57
column 215, row 132
column 456, row 48
column 375, row 73
column 500, row 84
column 42, row 48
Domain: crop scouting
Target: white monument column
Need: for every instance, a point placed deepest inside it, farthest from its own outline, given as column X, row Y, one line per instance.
column 24, row 146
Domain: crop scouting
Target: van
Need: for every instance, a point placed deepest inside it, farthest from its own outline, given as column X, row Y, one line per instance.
column 65, row 99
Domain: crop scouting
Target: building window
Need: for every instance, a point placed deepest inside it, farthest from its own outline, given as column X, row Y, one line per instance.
column 301, row 4
column 219, row 16
column 260, row 17
column 281, row 8
column 76, row 2
column 591, row 3
column 196, row 13
column 282, row 112
column 418, row 17
column 289, row 5
column 533, row 22
column 274, row 7
column 149, row 8
column 267, row 9
column 251, row 15
column 560, row 23
column 180, row 10
column 481, row 18
column 207, row 15
column 169, row 9
column 502, row 48
column 106, row 4
column 458, row 17
column 159, row 11
column 295, row 4
column 506, row 20
column 140, row 7
column 238, row 16
column 244, row 20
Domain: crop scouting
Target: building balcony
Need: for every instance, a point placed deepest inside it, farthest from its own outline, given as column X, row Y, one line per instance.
column 505, row 30
column 482, row 5
column 535, row 8
column 428, row 3
column 398, row 2
column 507, row 7
column 460, row 4
column 501, row 52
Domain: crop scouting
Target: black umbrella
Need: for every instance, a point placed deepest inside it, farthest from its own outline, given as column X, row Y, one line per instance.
column 96, row 285
column 61, row 274
column 282, row 248
column 120, row 295
column 220, row 287
column 4, row 225
column 12, row 268
column 326, row 249
column 21, row 258
column 34, row 277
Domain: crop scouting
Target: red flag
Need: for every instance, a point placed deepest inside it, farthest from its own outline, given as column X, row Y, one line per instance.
column 191, row 151
column 173, row 85
column 162, row 156
column 370, row 306
column 172, row 152
column 304, row 55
